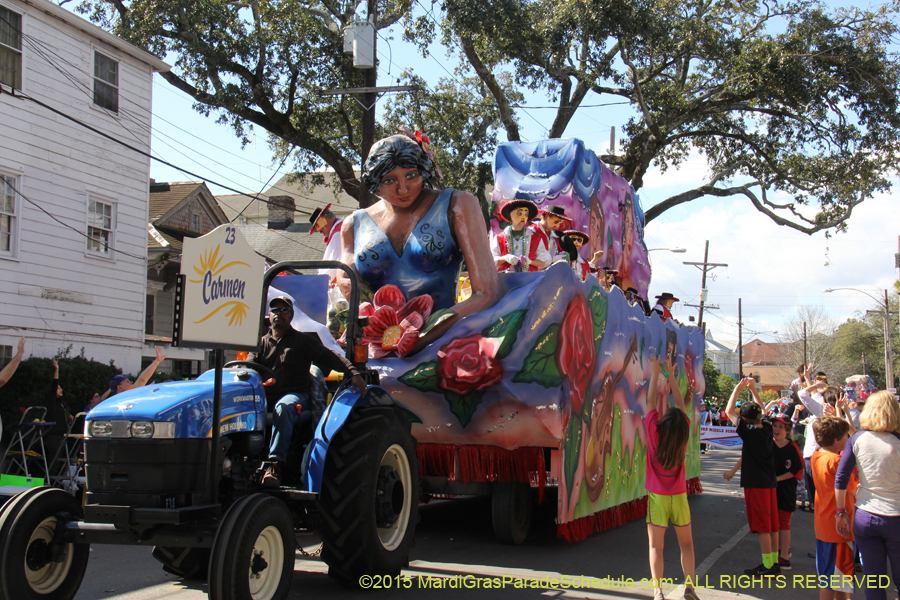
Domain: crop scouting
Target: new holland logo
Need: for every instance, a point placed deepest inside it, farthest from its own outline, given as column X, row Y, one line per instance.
column 217, row 288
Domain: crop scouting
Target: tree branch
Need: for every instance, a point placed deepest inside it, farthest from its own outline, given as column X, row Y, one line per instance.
column 506, row 116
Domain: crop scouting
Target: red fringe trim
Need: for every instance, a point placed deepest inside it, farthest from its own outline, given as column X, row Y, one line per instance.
column 484, row 464
column 694, row 487
column 610, row 518
column 615, row 516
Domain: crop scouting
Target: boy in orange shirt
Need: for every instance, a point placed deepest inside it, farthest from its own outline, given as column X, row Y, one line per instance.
column 834, row 552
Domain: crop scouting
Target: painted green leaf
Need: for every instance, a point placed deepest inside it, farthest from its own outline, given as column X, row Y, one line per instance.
column 463, row 406
column 540, row 364
column 435, row 319
column 423, row 377
column 572, row 450
column 641, row 355
column 599, row 312
column 507, row 329
column 410, row 415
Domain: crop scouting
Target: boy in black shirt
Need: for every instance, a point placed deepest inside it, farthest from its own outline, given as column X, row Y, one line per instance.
column 757, row 475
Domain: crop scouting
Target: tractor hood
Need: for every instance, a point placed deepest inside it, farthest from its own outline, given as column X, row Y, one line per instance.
column 189, row 405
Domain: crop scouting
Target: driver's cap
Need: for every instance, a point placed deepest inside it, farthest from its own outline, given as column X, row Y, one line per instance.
column 284, row 299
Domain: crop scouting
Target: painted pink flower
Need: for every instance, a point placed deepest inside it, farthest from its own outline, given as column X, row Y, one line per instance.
column 467, row 365
column 394, row 323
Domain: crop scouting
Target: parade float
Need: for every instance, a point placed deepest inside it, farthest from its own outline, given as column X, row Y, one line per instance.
column 548, row 387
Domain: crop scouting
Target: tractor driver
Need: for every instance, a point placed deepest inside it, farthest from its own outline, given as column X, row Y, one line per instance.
column 289, row 353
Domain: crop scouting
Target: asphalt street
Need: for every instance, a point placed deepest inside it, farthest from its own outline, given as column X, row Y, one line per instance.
column 456, row 552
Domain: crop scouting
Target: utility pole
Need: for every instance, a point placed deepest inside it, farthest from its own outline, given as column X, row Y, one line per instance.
column 888, row 352
column 705, row 267
column 740, row 343
column 368, row 102
column 804, row 345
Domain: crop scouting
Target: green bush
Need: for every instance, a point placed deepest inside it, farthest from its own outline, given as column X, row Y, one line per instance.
column 78, row 377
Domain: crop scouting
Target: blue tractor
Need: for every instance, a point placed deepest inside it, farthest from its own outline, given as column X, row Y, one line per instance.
column 172, row 466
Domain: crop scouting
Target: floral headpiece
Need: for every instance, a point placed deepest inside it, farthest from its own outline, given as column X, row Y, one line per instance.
column 425, row 144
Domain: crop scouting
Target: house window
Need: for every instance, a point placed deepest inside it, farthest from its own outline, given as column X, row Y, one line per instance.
column 100, row 227
column 195, row 222
column 10, row 48
column 8, row 204
column 148, row 322
column 106, row 82
column 6, row 354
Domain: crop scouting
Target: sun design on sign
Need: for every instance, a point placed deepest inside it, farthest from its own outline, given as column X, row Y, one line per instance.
column 209, row 268
column 210, row 261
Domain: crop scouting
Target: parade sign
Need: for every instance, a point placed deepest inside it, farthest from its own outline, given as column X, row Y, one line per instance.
column 222, row 291
column 721, row 436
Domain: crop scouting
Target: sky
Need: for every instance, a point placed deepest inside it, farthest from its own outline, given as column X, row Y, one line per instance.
column 772, row 269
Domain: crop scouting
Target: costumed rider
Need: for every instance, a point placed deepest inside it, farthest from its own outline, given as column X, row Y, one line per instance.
column 664, row 304
column 518, row 248
column 608, row 278
column 289, row 354
column 572, row 240
column 325, row 222
column 553, row 219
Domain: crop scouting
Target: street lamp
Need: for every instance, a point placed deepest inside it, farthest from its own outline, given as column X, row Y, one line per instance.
column 888, row 354
column 678, row 250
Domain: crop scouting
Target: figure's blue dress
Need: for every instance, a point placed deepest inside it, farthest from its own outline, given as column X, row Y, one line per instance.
column 430, row 261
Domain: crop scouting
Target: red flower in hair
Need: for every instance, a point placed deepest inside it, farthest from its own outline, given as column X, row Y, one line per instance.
column 425, row 144
column 394, row 323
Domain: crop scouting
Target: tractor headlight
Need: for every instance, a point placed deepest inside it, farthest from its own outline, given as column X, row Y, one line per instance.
column 142, row 429
column 163, row 430
column 99, row 429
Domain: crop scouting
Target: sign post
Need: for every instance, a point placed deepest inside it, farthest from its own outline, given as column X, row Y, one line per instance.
column 219, row 287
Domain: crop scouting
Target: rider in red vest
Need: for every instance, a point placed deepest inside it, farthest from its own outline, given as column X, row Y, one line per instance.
column 517, row 247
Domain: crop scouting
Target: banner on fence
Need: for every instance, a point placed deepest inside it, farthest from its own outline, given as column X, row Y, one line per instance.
column 721, row 436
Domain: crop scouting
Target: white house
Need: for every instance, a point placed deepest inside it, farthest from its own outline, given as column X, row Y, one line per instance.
column 73, row 202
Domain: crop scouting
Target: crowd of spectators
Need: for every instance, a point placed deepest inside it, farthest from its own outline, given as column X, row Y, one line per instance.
column 850, row 469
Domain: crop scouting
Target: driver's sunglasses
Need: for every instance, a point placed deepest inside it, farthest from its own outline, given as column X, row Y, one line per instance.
column 279, row 310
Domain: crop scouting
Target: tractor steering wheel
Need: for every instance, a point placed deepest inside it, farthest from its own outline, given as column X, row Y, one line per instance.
column 262, row 370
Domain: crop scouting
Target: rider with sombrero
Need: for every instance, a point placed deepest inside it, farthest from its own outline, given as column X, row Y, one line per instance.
column 517, row 247
column 573, row 240
column 552, row 220
column 325, row 222
column 664, row 304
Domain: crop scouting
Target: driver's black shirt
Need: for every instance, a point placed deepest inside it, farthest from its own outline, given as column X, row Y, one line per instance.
column 290, row 357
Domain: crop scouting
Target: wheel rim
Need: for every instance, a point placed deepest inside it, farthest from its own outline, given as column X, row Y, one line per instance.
column 43, row 574
column 266, row 563
column 398, row 496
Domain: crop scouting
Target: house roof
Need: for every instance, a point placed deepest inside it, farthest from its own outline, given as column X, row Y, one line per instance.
column 306, row 197
column 763, row 353
column 167, row 199
column 293, row 243
column 81, row 24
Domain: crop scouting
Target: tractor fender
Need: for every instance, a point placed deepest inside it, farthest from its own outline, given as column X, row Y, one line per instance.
column 330, row 424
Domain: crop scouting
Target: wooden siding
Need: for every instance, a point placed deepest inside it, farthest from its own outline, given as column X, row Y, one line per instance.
column 54, row 292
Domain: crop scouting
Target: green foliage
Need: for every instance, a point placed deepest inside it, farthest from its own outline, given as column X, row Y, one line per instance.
column 769, row 395
column 859, row 342
column 726, row 385
column 788, row 97
column 262, row 64
column 79, row 378
column 711, row 376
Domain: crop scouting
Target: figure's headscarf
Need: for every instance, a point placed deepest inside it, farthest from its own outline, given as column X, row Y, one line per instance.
column 392, row 152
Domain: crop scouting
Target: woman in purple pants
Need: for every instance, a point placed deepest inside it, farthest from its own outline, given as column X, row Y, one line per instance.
column 875, row 452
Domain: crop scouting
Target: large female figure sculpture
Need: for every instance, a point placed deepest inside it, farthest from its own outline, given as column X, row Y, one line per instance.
column 417, row 238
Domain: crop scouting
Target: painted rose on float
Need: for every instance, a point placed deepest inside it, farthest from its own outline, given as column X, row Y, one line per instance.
column 576, row 354
column 469, row 364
